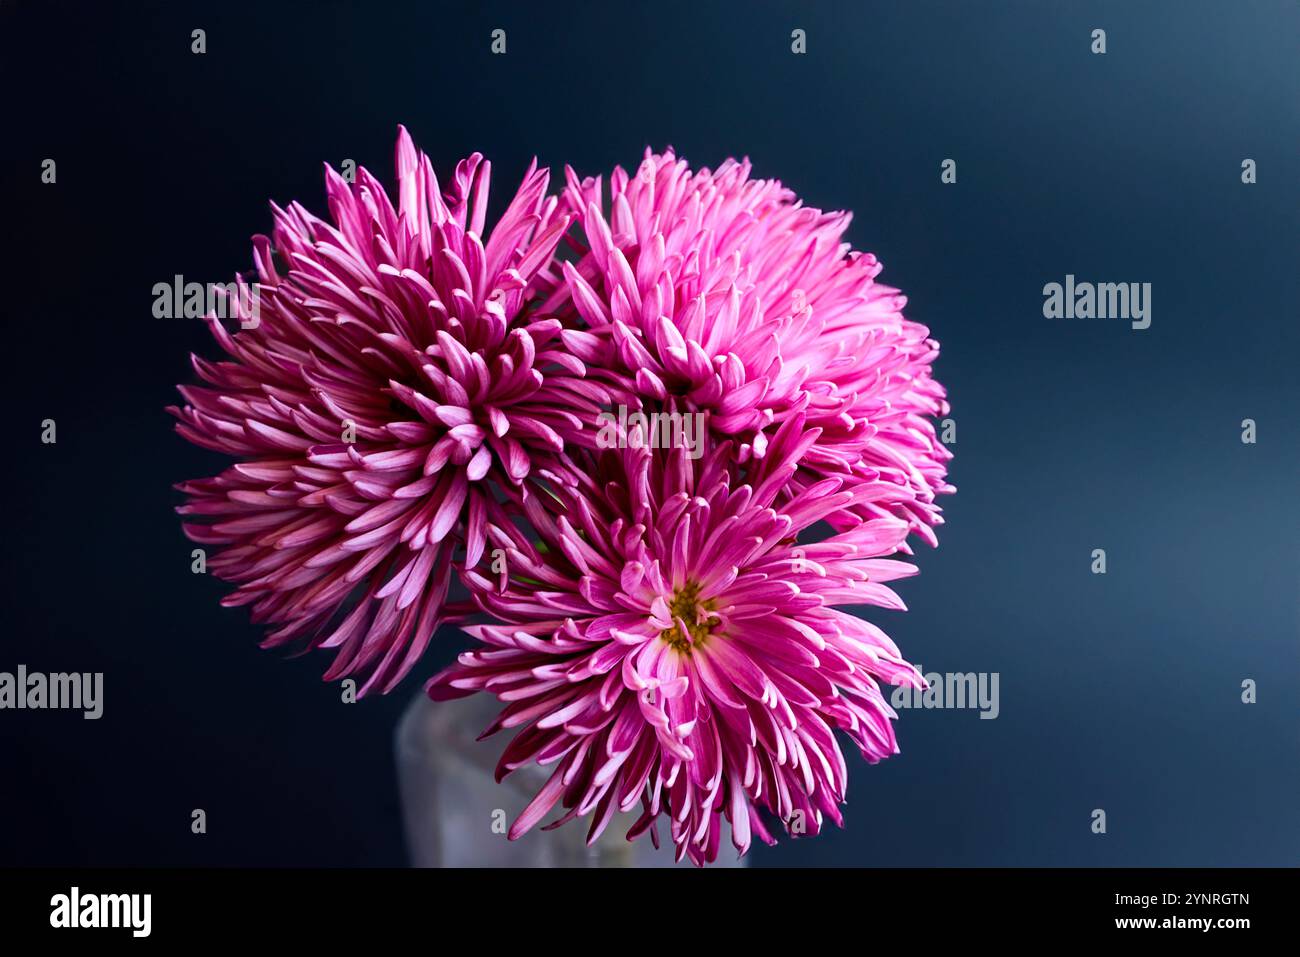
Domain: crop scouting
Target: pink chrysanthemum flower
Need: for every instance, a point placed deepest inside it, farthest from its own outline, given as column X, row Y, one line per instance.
column 399, row 366
column 726, row 293
column 671, row 645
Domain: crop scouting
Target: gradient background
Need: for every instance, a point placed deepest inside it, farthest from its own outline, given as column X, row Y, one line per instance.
column 1119, row 691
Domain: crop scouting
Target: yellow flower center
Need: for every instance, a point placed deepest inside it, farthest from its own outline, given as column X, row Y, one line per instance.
column 695, row 614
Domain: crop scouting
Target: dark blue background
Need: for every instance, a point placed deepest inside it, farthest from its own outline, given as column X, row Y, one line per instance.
column 1119, row 691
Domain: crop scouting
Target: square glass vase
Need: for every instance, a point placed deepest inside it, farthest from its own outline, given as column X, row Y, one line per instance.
column 455, row 813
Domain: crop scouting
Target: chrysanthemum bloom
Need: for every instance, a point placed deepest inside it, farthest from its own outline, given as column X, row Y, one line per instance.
column 399, row 366
column 726, row 293
column 672, row 646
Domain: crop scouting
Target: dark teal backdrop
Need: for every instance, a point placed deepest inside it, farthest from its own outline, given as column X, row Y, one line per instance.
column 1119, row 692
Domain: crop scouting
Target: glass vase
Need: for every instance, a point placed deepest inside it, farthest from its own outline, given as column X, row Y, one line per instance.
column 455, row 814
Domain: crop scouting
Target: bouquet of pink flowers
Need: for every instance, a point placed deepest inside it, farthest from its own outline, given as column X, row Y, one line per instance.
column 662, row 432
